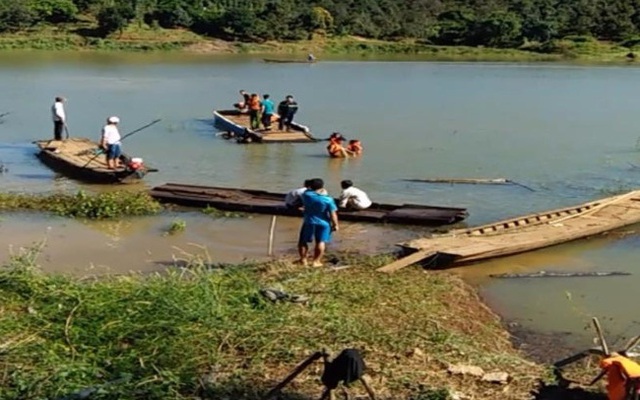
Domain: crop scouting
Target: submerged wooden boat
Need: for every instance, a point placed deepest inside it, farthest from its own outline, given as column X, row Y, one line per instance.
column 262, row 202
column 236, row 125
column 521, row 234
column 76, row 158
column 287, row 61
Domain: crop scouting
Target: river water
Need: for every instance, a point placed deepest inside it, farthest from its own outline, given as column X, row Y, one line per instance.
column 568, row 132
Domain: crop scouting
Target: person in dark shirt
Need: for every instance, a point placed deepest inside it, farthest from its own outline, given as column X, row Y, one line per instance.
column 245, row 101
column 287, row 109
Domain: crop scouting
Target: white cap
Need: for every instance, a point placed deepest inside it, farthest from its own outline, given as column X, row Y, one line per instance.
column 113, row 120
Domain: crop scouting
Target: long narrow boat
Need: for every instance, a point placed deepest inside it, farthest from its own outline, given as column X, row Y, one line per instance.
column 521, row 234
column 287, row 61
column 262, row 202
column 236, row 125
column 76, row 158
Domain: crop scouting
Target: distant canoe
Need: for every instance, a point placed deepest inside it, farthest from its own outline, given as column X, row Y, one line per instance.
column 275, row 60
column 76, row 158
column 262, row 202
column 236, row 124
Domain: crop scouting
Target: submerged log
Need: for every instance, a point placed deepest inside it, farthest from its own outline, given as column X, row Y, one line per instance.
column 472, row 181
column 545, row 274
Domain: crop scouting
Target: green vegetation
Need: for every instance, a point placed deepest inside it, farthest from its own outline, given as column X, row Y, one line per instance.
column 108, row 205
column 210, row 333
column 177, row 226
column 216, row 213
column 548, row 29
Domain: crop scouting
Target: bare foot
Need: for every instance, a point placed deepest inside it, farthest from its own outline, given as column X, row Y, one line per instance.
column 302, row 262
column 317, row 264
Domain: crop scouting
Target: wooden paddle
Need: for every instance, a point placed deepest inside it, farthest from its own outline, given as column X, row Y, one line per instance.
column 123, row 138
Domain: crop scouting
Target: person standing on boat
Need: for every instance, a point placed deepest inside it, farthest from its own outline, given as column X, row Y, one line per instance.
column 320, row 219
column 110, row 142
column 287, row 109
column 268, row 109
column 245, row 101
column 254, row 111
column 353, row 198
column 59, row 117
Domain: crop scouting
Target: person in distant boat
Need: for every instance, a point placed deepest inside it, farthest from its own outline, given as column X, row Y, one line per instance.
column 255, row 105
column 320, row 219
column 311, row 58
column 335, row 148
column 110, row 142
column 353, row 198
column 245, row 101
column 59, row 117
column 355, row 147
column 293, row 199
column 287, row 109
column 268, row 109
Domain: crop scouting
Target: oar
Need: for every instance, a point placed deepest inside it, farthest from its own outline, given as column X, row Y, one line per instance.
column 123, row 138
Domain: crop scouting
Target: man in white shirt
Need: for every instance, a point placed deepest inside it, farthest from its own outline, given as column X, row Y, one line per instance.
column 293, row 199
column 353, row 198
column 59, row 118
column 110, row 142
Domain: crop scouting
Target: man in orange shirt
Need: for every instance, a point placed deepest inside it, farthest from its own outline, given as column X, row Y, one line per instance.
column 255, row 105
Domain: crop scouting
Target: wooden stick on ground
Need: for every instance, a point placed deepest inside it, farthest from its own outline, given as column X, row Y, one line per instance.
column 296, row 371
column 272, row 229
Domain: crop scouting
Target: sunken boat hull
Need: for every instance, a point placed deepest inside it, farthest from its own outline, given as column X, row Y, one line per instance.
column 262, row 202
column 286, row 61
column 521, row 234
column 76, row 158
column 236, row 125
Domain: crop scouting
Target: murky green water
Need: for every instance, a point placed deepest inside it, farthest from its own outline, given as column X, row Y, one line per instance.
column 568, row 132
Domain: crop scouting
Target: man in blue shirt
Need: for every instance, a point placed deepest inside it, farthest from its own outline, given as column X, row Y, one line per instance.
column 320, row 219
column 268, row 109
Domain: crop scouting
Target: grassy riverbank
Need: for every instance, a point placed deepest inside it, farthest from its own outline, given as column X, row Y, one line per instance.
column 137, row 37
column 209, row 333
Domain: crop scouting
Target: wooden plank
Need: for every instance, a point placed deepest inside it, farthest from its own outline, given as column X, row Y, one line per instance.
column 406, row 261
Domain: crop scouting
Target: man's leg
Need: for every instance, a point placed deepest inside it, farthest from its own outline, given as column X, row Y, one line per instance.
column 318, row 252
column 303, row 250
column 57, row 130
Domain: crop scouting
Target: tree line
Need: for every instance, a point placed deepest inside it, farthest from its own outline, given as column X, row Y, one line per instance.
column 492, row 23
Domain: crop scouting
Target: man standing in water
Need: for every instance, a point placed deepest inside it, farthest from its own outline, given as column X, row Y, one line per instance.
column 320, row 219
column 59, row 118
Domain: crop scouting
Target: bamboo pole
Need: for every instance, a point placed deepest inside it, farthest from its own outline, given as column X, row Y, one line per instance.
column 296, row 371
column 272, row 229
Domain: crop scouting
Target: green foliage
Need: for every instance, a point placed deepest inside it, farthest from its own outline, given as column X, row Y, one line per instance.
column 54, row 10
column 490, row 23
column 82, row 205
column 216, row 213
column 115, row 17
column 177, row 226
column 16, row 15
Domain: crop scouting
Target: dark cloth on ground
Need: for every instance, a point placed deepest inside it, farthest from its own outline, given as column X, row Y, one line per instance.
column 347, row 367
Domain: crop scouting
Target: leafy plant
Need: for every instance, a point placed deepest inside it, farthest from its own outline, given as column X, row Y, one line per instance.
column 177, row 226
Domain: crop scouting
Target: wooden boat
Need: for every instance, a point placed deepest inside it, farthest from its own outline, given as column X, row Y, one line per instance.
column 262, row 202
column 287, row 61
column 236, row 125
column 76, row 158
column 521, row 234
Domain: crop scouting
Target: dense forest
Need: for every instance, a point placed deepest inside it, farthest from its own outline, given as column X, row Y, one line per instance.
column 492, row 23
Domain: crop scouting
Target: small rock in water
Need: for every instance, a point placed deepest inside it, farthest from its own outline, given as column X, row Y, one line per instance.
column 496, row 377
column 466, row 370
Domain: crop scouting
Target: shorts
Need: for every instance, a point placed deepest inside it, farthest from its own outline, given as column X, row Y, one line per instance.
column 114, row 151
column 317, row 232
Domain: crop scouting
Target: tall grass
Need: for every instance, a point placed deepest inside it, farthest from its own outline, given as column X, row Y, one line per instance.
column 208, row 332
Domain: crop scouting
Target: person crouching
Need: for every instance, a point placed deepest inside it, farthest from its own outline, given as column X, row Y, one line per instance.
column 353, row 198
column 110, row 142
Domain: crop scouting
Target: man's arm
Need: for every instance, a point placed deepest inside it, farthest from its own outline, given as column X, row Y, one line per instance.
column 334, row 221
column 343, row 200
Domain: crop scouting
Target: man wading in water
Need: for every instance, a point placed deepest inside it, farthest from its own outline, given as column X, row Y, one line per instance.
column 320, row 219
